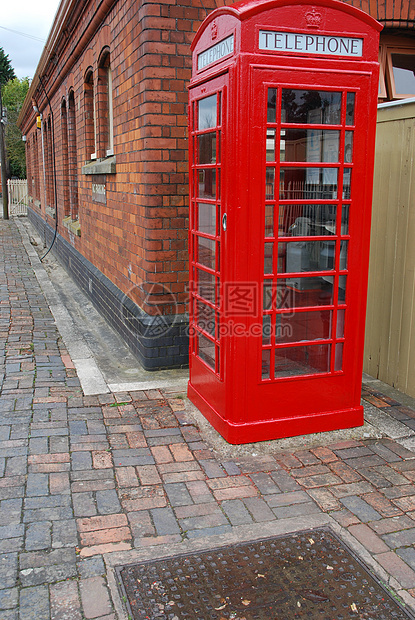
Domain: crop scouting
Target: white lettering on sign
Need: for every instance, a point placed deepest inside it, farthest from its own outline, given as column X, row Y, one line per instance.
column 310, row 43
column 214, row 53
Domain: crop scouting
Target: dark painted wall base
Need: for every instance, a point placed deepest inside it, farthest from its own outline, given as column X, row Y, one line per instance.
column 157, row 341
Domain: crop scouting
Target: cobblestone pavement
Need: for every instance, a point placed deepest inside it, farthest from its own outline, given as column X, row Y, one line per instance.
column 91, row 482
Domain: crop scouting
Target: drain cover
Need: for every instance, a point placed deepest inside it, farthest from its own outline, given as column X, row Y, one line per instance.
column 305, row 575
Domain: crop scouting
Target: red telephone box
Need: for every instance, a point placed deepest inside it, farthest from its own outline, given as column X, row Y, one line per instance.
column 282, row 125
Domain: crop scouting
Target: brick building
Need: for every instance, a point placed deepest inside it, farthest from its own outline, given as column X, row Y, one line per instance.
column 106, row 118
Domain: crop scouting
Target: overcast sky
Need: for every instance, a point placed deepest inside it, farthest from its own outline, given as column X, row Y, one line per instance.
column 30, row 18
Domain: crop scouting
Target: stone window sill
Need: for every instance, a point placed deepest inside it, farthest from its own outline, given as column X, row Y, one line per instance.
column 51, row 212
column 100, row 166
column 72, row 225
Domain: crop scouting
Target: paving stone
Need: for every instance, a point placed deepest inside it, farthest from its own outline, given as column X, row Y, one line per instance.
column 64, row 534
column 65, row 603
column 360, row 508
column 91, row 567
column 394, row 524
column 368, row 538
column 395, row 566
column 95, row 597
column 34, row 603
column 259, row 510
column 284, row 481
column 164, row 521
column 38, row 536
column 178, row 494
column 404, row 538
column 236, row 512
column 81, row 460
column 9, row 598
column 107, row 502
column 37, row 484
column 8, row 570
column 265, row 484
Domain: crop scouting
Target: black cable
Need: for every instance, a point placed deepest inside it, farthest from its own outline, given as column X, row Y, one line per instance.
column 53, row 171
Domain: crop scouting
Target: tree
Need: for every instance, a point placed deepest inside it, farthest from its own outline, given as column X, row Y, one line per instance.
column 14, row 93
column 6, row 70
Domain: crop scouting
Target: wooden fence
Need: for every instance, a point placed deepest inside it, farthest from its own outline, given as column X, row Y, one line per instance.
column 390, row 325
column 18, row 196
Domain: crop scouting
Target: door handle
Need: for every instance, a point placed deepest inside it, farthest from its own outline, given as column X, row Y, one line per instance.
column 224, row 221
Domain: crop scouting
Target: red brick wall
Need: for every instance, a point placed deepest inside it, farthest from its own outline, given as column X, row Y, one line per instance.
column 139, row 238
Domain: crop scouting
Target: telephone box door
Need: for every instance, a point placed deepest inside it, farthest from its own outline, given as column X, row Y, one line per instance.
column 207, row 133
column 309, row 155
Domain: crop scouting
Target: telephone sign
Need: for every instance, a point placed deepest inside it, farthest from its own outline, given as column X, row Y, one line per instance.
column 282, row 121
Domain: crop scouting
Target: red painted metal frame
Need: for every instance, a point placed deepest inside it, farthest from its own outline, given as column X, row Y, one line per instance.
column 241, row 406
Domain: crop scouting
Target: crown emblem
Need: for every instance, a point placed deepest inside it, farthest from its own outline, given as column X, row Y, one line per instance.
column 313, row 19
column 214, row 30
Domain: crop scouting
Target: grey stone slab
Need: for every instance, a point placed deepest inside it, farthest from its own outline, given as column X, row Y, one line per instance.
column 164, row 521
column 236, row 512
column 34, row 603
column 360, row 508
column 107, row 502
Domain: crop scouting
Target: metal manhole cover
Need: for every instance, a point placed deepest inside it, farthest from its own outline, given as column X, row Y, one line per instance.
column 305, row 575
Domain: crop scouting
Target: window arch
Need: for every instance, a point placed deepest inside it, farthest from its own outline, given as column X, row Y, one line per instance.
column 65, row 158
column 90, row 116
column 105, row 106
column 72, row 157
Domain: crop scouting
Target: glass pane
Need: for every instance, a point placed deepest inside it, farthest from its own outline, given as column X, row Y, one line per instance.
column 345, row 220
column 340, row 323
column 310, row 256
column 347, row 180
column 270, row 146
column 269, row 220
column 293, row 361
column 311, row 145
column 266, row 363
column 338, row 357
column 308, row 183
column 307, row 220
column 404, row 73
column 205, row 286
column 302, row 326
column 206, row 218
column 207, row 148
column 270, row 184
column 303, row 292
column 207, row 113
column 205, row 318
column 207, row 183
column 266, row 329
column 344, row 246
column 267, row 302
column 342, row 289
column 206, row 350
column 348, row 147
column 350, row 108
column 311, row 107
column 272, row 105
column 205, row 252
column 268, row 251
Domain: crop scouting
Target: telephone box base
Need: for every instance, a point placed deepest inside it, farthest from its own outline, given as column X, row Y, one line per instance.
column 276, row 428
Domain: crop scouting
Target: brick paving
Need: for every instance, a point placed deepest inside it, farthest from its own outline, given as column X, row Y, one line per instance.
column 84, row 479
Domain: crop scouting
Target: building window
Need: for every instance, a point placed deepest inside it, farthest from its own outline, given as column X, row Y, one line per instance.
column 72, row 158
column 397, row 69
column 49, row 164
column 36, row 168
column 65, row 155
column 90, row 116
column 105, row 107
